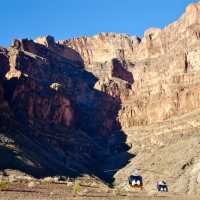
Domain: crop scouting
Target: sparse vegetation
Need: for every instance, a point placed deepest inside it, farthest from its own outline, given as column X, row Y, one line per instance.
column 119, row 192
column 77, row 187
column 4, row 185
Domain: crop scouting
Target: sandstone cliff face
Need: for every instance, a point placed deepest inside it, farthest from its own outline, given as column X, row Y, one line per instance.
column 27, row 91
column 162, row 68
column 76, row 95
column 51, row 100
column 43, row 104
column 103, row 47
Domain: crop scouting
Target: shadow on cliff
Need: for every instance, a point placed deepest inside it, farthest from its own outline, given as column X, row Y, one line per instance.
column 119, row 70
column 94, row 144
column 12, row 161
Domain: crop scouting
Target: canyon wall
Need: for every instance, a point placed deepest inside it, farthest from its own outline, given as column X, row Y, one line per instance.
column 47, row 95
column 77, row 95
column 157, row 75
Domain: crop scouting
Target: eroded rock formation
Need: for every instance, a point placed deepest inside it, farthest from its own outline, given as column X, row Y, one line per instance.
column 162, row 68
column 76, row 95
column 50, row 98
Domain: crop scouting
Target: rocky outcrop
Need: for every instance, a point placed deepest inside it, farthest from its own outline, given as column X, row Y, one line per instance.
column 42, row 103
column 53, row 106
column 162, row 68
column 61, row 50
column 103, row 47
column 118, row 70
column 76, row 96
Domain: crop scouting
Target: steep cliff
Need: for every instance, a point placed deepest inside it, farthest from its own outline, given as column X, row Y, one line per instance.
column 162, row 68
column 156, row 79
column 80, row 101
column 51, row 103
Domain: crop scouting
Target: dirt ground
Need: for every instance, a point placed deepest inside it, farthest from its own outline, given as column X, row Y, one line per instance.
column 64, row 192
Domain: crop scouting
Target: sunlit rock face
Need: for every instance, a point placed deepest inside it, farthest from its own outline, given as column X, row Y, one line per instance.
column 77, row 93
column 154, row 77
column 103, row 47
column 160, row 70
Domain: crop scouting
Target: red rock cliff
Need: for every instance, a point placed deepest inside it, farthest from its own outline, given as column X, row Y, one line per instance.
column 164, row 66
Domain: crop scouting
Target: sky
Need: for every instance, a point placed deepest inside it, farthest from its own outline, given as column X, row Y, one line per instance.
column 65, row 19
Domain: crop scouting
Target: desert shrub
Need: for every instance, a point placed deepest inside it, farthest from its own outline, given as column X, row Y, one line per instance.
column 3, row 185
column 77, row 187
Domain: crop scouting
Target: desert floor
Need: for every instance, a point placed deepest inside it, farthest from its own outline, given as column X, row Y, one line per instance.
column 45, row 191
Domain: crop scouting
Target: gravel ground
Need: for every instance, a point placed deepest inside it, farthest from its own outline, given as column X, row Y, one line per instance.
column 64, row 192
